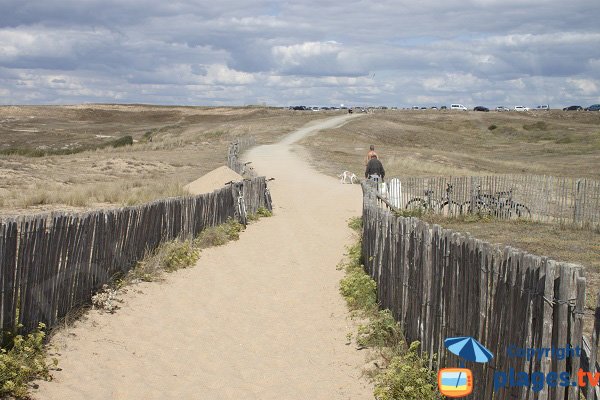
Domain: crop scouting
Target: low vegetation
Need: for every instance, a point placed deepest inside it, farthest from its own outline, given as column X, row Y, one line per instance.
column 115, row 193
column 401, row 373
column 23, row 359
column 49, row 151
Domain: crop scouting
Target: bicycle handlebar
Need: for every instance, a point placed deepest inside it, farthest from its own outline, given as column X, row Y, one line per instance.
column 241, row 181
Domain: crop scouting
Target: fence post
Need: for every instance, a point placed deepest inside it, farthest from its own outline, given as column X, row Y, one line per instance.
column 577, row 331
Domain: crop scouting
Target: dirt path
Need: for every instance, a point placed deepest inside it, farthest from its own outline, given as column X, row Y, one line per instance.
column 260, row 318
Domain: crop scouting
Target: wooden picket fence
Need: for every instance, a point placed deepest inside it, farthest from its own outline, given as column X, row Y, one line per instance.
column 549, row 198
column 51, row 263
column 440, row 284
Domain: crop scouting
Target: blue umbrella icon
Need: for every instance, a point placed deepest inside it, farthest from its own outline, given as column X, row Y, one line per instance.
column 468, row 349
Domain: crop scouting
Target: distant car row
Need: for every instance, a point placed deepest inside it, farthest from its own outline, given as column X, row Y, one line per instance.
column 359, row 109
column 306, row 108
column 594, row 107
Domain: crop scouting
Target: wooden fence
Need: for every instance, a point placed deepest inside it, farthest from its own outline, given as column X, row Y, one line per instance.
column 440, row 284
column 549, row 198
column 50, row 264
column 236, row 147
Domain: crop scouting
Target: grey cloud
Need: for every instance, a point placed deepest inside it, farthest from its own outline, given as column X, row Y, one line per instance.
column 233, row 52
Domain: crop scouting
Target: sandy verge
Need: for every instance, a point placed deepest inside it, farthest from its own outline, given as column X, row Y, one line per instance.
column 260, row 318
column 214, row 180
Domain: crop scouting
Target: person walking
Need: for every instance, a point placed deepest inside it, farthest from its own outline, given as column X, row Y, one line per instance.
column 375, row 169
column 370, row 154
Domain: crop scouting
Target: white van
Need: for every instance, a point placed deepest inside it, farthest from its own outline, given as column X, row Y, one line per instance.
column 458, row 107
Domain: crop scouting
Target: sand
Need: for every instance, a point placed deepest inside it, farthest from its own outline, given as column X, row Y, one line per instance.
column 213, row 180
column 259, row 318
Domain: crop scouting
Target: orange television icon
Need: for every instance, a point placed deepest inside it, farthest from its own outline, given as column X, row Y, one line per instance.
column 455, row 382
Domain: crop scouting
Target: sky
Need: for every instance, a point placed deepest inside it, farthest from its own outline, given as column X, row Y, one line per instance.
column 278, row 53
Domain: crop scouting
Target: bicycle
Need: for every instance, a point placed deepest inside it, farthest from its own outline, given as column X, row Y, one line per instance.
column 445, row 206
column 245, row 168
column 268, row 200
column 499, row 204
column 240, row 212
column 377, row 182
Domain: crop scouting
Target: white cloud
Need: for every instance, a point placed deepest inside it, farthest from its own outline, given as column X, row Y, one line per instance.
column 587, row 87
column 233, row 52
column 221, row 74
column 453, row 82
column 299, row 53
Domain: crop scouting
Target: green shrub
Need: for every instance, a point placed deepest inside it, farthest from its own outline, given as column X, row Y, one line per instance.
column 23, row 361
column 28, row 152
column 263, row 212
column 407, row 378
column 536, row 126
column 179, row 254
column 355, row 223
column 122, row 141
column 492, row 127
column 564, row 140
column 381, row 330
column 219, row 235
column 358, row 289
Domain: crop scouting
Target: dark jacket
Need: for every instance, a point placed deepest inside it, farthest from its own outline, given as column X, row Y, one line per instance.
column 374, row 167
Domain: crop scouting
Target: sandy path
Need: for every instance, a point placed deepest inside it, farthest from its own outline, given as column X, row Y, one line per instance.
column 260, row 318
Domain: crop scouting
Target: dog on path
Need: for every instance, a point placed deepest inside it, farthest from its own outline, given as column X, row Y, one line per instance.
column 347, row 177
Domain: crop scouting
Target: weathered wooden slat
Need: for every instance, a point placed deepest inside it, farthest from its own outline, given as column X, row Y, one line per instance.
column 8, row 274
column 594, row 393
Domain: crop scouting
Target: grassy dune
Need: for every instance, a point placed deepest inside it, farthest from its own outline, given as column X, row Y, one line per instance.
column 432, row 143
column 62, row 157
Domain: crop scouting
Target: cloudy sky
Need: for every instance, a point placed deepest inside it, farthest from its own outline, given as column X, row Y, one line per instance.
column 236, row 52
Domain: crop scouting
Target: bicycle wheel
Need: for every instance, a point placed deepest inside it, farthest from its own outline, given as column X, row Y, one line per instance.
column 451, row 208
column 477, row 207
column 417, row 205
column 268, row 201
column 243, row 216
column 522, row 210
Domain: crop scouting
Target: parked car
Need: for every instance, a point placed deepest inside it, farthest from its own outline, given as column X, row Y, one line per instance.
column 434, row 108
column 521, row 108
column 593, row 107
column 543, row 107
column 481, row 108
column 502, row 108
column 458, row 107
column 443, row 108
column 573, row 108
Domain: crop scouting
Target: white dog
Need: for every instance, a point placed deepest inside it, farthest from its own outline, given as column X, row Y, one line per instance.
column 348, row 177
